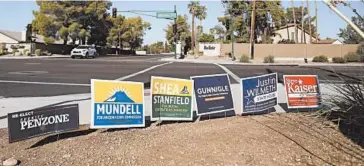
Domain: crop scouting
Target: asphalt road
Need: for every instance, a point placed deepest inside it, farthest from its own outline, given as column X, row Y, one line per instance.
column 51, row 77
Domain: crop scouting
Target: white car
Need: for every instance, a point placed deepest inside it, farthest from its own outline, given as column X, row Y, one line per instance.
column 84, row 51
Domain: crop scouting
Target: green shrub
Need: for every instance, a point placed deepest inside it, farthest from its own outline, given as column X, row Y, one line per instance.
column 244, row 59
column 352, row 57
column 338, row 60
column 38, row 52
column 320, row 58
column 15, row 51
column 269, row 59
column 360, row 50
column 26, row 52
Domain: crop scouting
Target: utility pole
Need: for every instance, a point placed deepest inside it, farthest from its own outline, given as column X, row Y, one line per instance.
column 232, row 38
column 302, row 15
column 344, row 18
column 252, row 28
column 309, row 20
column 175, row 34
column 316, row 20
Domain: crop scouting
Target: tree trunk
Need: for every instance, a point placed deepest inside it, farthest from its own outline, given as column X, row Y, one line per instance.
column 316, row 21
column 294, row 22
column 193, row 32
column 65, row 41
column 309, row 21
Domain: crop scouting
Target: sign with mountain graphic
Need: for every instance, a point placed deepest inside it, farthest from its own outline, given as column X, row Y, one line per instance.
column 171, row 99
column 117, row 104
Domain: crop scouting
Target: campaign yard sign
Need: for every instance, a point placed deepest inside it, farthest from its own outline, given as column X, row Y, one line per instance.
column 171, row 99
column 213, row 94
column 302, row 91
column 117, row 104
column 259, row 93
column 32, row 123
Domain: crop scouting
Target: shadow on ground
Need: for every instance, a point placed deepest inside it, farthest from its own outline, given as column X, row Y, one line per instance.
column 57, row 137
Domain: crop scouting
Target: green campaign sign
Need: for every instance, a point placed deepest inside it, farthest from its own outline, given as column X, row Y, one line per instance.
column 166, row 15
column 171, row 99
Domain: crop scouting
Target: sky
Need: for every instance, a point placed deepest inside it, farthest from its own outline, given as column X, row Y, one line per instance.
column 15, row 15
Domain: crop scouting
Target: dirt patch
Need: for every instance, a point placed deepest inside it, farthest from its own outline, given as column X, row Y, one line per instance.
column 274, row 139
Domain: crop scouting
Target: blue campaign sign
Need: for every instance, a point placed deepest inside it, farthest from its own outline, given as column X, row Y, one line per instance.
column 259, row 93
column 117, row 104
column 213, row 94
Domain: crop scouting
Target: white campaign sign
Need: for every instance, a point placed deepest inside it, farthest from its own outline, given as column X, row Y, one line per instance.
column 210, row 49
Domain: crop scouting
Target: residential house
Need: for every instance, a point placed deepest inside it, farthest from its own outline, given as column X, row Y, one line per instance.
column 288, row 33
column 328, row 41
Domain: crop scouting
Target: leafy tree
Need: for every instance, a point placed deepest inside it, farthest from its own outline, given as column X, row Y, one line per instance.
column 127, row 32
column 201, row 15
column 349, row 35
column 239, row 13
column 157, row 48
column 219, row 31
column 183, row 32
column 206, row 38
column 54, row 20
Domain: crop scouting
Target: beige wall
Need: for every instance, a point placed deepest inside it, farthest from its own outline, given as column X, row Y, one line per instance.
column 291, row 50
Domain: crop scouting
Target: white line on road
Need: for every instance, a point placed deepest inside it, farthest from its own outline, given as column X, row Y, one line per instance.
column 143, row 71
column 43, row 83
column 236, row 78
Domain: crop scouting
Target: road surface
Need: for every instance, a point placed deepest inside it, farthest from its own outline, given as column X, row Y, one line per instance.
column 51, row 77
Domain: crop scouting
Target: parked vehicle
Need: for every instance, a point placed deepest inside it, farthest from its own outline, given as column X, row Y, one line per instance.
column 84, row 51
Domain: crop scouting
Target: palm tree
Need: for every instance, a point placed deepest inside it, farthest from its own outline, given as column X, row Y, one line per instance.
column 201, row 15
column 193, row 8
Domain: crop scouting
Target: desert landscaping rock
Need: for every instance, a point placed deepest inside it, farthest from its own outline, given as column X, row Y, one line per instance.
column 273, row 139
column 10, row 162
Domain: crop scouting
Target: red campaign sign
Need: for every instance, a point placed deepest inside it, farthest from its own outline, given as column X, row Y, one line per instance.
column 302, row 91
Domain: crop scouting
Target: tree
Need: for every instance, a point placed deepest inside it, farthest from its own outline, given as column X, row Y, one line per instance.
column 201, row 15
column 299, row 19
column 219, row 31
column 239, row 13
column 349, row 35
column 183, row 32
column 54, row 19
column 127, row 32
column 193, row 8
column 206, row 38
column 157, row 48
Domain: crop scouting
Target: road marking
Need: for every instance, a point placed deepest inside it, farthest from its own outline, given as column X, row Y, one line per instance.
column 31, row 63
column 236, row 78
column 143, row 71
column 43, row 83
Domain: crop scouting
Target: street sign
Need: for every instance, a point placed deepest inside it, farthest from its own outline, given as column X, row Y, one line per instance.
column 171, row 15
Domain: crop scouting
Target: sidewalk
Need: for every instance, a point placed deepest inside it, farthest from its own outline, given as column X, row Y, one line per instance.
column 10, row 56
column 259, row 62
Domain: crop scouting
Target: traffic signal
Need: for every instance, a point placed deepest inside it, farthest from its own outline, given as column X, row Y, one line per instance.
column 114, row 10
column 174, row 28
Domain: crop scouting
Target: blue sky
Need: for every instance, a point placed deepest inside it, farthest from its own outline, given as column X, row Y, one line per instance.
column 14, row 15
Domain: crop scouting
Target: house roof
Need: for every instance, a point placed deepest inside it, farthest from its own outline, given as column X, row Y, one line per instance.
column 15, row 35
column 292, row 25
column 326, row 41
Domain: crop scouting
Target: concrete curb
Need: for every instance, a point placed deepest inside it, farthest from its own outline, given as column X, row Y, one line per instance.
column 257, row 64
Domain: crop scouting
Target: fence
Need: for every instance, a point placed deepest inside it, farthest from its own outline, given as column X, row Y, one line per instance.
column 290, row 50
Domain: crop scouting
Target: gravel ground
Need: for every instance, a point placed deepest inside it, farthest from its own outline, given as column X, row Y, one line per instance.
column 274, row 139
